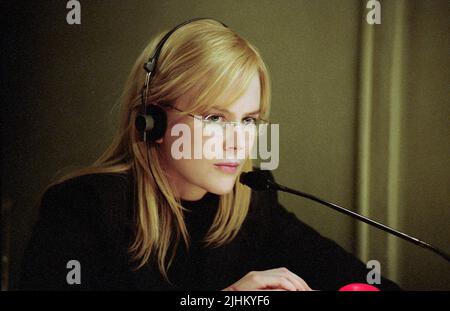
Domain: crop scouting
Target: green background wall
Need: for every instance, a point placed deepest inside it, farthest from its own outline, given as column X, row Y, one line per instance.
column 363, row 109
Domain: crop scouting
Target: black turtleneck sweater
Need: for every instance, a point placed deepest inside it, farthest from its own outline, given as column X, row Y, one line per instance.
column 91, row 219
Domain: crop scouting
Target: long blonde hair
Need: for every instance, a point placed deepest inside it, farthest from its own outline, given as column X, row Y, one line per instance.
column 200, row 49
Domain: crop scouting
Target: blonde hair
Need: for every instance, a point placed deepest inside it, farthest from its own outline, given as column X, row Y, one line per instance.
column 200, row 49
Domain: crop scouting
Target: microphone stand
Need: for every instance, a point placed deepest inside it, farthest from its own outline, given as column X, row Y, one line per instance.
column 269, row 184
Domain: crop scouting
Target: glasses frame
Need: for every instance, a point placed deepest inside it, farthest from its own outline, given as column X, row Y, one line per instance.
column 259, row 121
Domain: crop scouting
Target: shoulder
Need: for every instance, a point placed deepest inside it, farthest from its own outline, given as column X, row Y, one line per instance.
column 81, row 218
column 88, row 195
column 99, row 183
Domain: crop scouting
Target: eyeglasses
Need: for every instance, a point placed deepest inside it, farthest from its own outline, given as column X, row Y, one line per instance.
column 212, row 121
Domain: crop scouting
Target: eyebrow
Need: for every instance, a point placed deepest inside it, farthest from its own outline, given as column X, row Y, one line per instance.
column 229, row 112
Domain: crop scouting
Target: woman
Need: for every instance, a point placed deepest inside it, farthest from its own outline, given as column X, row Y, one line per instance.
column 142, row 217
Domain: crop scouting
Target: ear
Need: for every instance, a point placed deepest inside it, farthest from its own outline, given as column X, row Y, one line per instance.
column 159, row 141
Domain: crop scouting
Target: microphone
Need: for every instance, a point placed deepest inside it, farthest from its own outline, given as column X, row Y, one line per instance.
column 259, row 181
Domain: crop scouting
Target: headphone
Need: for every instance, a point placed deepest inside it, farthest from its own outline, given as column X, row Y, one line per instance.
column 151, row 122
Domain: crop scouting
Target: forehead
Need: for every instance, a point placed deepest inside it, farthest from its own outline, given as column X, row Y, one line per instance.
column 249, row 100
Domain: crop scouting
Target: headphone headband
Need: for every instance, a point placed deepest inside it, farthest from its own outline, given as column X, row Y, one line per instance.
column 152, row 122
column 150, row 65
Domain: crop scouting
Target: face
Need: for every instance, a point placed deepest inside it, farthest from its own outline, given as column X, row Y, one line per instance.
column 192, row 178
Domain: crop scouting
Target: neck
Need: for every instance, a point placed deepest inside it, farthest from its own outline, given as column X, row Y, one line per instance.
column 192, row 195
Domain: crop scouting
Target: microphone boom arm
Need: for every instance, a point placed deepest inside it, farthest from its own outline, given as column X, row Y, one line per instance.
column 255, row 182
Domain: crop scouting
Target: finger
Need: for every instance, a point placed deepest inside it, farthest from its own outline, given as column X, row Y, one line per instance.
column 274, row 290
column 285, row 273
column 272, row 281
column 262, row 280
column 300, row 281
column 300, row 286
column 295, row 279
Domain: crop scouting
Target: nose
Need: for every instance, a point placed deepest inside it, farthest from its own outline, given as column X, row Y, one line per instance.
column 235, row 138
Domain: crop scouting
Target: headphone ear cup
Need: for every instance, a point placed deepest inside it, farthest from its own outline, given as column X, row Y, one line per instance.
column 153, row 124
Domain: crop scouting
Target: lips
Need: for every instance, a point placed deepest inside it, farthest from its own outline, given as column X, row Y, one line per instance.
column 230, row 164
column 227, row 167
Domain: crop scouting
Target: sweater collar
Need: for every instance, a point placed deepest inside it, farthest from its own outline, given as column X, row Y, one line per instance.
column 209, row 200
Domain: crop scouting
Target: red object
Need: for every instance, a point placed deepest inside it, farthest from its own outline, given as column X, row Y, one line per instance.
column 358, row 287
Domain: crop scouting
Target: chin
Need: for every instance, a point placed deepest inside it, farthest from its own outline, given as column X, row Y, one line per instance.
column 221, row 188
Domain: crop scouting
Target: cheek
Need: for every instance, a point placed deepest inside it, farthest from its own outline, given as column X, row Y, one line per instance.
column 176, row 134
column 166, row 146
column 181, row 151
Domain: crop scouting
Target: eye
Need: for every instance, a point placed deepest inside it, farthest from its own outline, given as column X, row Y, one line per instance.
column 249, row 120
column 214, row 118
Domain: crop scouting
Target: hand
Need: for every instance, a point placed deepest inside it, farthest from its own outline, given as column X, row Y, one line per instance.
column 274, row 279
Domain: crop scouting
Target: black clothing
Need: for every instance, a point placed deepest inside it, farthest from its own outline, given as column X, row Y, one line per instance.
column 91, row 219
